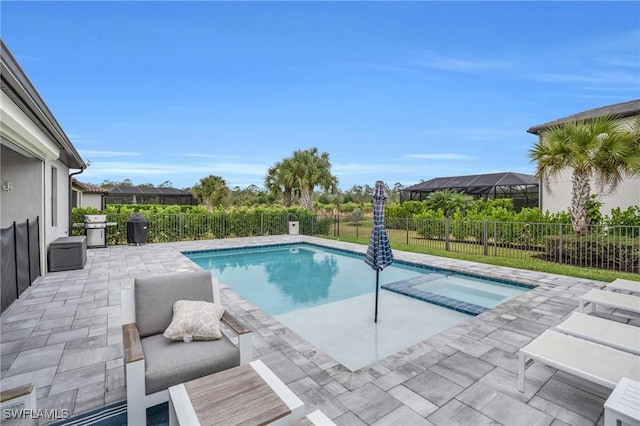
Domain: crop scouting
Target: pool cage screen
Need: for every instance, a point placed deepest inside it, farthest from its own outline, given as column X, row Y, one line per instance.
column 521, row 188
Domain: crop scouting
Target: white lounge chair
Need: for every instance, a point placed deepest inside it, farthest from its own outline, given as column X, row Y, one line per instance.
column 620, row 284
column 612, row 299
column 606, row 332
column 591, row 361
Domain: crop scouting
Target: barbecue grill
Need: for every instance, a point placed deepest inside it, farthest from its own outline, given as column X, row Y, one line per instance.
column 95, row 228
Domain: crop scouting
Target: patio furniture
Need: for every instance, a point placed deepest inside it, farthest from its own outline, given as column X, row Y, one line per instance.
column 610, row 299
column 67, row 253
column 25, row 394
column 620, row 284
column 591, row 361
column 154, row 363
column 315, row 418
column 623, row 405
column 606, row 332
column 250, row 394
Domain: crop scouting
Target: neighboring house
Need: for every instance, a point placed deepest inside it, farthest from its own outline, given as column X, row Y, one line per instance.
column 628, row 192
column 37, row 160
column 521, row 188
column 147, row 195
column 88, row 195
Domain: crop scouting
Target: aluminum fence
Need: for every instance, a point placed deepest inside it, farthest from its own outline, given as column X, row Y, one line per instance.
column 605, row 247
column 163, row 228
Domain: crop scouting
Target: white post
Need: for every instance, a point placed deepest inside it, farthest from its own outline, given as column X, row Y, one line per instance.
column 136, row 404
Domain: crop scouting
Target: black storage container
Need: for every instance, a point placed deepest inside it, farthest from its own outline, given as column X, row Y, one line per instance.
column 137, row 229
column 67, row 253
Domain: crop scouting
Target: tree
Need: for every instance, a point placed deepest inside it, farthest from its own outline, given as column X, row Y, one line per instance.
column 299, row 175
column 448, row 201
column 109, row 183
column 212, row 190
column 397, row 190
column 280, row 180
column 598, row 149
column 312, row 169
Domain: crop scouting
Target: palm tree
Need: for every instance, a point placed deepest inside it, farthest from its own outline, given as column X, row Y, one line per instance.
column 212, row 190
column 300, row 174
column 312, row 169
column 448, row 201
column 280, row 180
column 598, row 149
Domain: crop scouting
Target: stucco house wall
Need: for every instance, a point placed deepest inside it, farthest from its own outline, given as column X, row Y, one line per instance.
column 91, row 200
column 22, row 191
column 88, row 195
column 56, row 212
column 557, row 198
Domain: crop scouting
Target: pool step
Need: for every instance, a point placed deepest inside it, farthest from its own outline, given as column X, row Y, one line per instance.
column 408, row 288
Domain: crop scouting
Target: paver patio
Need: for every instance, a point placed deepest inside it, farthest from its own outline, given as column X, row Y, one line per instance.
column 64, row 335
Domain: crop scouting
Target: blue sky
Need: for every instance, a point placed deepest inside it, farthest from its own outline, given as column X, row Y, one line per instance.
column 397, row 91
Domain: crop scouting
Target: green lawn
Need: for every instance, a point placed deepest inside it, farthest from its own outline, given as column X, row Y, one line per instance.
column 501, row 256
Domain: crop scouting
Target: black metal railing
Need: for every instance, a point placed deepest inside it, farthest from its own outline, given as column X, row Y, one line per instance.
column 605, row 247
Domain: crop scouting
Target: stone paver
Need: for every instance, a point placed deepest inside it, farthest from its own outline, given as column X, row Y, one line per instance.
column 64, row 335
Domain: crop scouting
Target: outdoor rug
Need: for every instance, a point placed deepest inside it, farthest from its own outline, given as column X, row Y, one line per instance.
column 116, row 415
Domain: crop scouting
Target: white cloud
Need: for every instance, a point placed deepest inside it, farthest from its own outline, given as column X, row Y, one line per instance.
column 90, row 153
column 443, row 156
column 601, row 77
column 431, row 59
column 136, row 168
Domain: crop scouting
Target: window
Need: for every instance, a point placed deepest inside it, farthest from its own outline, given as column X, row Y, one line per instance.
column 54, row 196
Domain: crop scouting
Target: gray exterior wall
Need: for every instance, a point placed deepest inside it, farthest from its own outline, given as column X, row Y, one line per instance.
column 61, row 227
column 25, row 176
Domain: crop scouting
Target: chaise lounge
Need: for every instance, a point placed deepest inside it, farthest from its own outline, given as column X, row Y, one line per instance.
column 623, row 285
column 599, row 330
column 611, row 299
column 153, row 363
column 591, row 361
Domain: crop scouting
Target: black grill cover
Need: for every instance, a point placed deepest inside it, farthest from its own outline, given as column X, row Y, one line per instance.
column 137, row 229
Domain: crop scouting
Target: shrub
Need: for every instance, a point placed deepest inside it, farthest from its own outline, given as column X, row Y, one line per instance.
column 355, row 216
column 323, row 225
column 604, row 251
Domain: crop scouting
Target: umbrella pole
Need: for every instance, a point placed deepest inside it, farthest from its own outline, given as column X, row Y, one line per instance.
column 375, row 318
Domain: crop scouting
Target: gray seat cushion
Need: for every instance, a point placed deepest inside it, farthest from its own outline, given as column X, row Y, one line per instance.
column 156, row 294
column 169, row 363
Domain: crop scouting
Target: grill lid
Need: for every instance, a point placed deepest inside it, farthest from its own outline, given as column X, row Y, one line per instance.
column 95, row 218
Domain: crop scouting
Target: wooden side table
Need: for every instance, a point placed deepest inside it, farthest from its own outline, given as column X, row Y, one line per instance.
column 250, row 394
column 623, row 404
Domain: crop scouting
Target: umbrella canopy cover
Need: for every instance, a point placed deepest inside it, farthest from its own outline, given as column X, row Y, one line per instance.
column 379, row 254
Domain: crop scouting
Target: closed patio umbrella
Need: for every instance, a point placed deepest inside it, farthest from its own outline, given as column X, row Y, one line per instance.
column 379, row 254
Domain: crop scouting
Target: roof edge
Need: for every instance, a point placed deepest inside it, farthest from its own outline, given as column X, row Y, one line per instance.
column 620, row 110
column 14, row 77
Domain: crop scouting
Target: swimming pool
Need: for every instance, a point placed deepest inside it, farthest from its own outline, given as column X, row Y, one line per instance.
column 285, row 278
column 326, row 296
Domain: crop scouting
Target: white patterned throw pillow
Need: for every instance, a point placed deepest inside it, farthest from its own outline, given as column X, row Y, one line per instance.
column 200, row 320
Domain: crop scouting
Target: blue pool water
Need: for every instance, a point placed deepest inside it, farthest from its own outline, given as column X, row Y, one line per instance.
column 286, row 278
